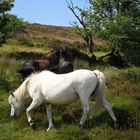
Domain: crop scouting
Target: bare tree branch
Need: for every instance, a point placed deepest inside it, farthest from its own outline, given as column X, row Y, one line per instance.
column 72, row 8
column 85, row 31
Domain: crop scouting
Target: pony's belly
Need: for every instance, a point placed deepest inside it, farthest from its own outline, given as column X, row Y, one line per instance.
column 63, row 99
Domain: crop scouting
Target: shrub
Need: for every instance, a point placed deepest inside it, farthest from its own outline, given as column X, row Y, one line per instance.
column 25, row 41
column 8, row 75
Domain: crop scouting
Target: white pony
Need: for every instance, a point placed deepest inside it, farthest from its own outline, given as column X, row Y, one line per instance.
column 61, row 89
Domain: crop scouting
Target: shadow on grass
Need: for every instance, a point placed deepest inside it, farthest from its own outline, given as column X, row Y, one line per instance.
column 5, row 114
column 126, row 119
column 25, row 55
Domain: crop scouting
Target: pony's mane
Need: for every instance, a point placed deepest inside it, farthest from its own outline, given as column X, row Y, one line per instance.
column 33, row 75
column 38, row 74
column 21, row 92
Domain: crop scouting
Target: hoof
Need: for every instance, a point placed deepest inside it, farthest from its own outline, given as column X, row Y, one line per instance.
column 115, row 126
column 50, row 128
column 82, row 126
column 33, row 125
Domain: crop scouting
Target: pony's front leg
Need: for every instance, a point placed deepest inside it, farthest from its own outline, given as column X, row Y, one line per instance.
column 33, row 105
column 49, row 115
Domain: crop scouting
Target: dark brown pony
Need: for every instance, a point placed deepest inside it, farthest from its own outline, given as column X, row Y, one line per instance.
column 64, row 67
column 50, row 62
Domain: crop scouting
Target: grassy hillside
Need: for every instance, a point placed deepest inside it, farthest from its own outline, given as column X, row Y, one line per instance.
column 55, row 32
column 123, row 92
column 37, row 35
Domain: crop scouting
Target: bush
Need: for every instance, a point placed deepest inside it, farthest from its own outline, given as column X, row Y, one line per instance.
column 131, row 53
column 8, row 74
column 25, row 41
column 132, row 74
column 98, row 48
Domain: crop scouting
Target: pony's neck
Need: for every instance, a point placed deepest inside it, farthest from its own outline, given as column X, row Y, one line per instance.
column 21, row 93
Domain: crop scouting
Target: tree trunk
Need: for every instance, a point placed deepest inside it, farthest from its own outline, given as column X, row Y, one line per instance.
column 89, row 46
column 114, row 59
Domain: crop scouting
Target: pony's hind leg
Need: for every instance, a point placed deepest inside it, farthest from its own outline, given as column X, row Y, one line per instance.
column 33, row 105
column 110, row 111
column 49, row 115
column 85, row 110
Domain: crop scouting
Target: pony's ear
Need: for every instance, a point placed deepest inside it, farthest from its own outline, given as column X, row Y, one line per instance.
column 11, row 93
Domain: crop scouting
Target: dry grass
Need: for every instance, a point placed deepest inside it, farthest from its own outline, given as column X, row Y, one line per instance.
column 37, row 33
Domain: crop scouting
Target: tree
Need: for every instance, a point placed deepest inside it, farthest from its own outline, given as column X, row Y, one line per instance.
column 116, row 21
column 85, row 31
column 5, row 6
column 119, row 23
column 14, row 26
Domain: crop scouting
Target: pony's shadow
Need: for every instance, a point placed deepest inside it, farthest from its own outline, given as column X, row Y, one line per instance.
column 126, row 120
column 5, row 114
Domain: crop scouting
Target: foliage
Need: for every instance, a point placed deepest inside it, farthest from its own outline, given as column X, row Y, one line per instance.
column 117, row 22
column 5, row 6
column 9, row 24
column 15, row 26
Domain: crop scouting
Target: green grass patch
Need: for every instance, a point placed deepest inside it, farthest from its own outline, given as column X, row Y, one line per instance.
column 14, row 47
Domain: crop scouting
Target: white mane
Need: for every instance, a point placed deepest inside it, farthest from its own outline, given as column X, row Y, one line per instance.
column 39, row 73
column 21, row 92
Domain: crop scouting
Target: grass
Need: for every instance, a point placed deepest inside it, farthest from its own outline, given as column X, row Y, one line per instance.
column 120, row 95
column 14, row 47
column 123, row 93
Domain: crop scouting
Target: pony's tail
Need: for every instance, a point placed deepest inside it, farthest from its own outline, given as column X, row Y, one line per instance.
column 100, row 90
